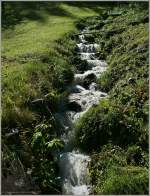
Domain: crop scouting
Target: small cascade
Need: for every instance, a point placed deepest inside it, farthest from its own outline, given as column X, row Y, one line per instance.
column 75, row 172
column 87, row 56
column 89, row 48
column 73, row 164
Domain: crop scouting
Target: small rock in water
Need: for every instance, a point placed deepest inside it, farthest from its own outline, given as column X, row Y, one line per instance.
column 103, row 94
column 82, row 39
column 79, row 88
column 93, row 86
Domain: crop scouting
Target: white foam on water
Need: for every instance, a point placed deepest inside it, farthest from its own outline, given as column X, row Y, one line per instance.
column 74, row 170
column 89, row 48
column 87, row 56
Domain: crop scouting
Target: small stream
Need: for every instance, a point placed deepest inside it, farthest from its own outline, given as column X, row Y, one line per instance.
column 74, row 164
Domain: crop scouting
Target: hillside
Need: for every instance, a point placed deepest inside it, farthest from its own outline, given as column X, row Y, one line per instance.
column 42, row 67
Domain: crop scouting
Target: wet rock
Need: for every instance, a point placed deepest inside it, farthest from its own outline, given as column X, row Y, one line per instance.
column 74, row 106
column 89, row 79
column 82, row 39
column 103, row 94
column 76, row 89
column 90, row 38
column 99, row 26
column 84, row 102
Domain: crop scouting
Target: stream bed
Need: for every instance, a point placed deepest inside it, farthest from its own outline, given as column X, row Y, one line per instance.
column 74, row 164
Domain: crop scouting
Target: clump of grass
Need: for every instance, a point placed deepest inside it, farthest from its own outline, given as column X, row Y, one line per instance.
column 111, row 173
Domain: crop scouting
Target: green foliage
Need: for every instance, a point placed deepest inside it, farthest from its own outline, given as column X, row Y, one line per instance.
column 44, row 146
column 42, row 66
column 38, row 65
column 55, row 144
column 111, row 174
column 125, row 181
column 123, row 117
column 108, row 122
column 97, row 126
column 136, row 156
column 34, row 80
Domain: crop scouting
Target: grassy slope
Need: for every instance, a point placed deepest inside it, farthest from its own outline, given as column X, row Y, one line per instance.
column 37, row 60
column 25, row 44
column 36, row 37
column 122, row 118
column 36, row 63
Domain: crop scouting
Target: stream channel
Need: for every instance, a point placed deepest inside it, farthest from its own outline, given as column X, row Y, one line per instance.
column 73, row 163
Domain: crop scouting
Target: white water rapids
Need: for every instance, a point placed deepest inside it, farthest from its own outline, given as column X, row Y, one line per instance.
column 73, row 164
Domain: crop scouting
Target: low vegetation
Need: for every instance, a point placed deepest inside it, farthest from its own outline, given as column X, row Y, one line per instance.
column 122, row 117
column 38, row 65
column 39, row 61
column 115, row 171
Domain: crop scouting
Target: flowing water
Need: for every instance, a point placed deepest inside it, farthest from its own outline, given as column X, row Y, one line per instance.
column 74, row 164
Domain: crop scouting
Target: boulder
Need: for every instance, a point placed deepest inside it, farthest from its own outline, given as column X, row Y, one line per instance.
column 89, row 79
column 74, row 106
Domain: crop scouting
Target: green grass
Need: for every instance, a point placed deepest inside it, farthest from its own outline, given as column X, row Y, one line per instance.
column 123, row 118
column 25, row 46
column 36, row 37
column 112, row 174
column 38, row 60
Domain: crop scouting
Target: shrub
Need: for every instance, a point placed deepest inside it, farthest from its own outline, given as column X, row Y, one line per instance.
column 45, row 146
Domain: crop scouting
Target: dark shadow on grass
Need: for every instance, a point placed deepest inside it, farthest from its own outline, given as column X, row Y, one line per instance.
column 15, row 12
